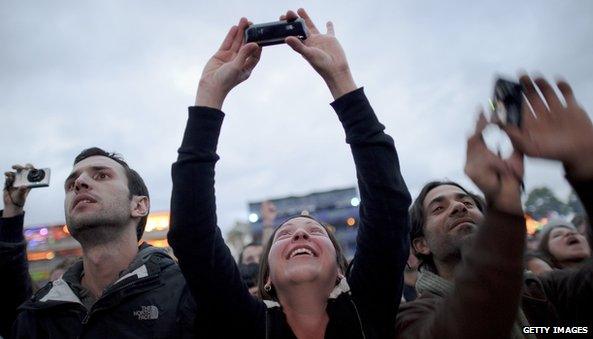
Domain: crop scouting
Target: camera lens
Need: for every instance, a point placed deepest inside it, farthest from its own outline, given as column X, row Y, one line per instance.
column 36, row 175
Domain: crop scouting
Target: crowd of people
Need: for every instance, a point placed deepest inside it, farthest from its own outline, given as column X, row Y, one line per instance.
column 449, row 263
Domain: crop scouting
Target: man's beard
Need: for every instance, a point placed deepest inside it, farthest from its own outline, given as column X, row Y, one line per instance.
column 99, row 228
column 451, row 249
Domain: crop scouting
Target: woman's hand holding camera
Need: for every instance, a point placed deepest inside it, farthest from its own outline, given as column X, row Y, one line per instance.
column 14, row 197
column 234, row 61
column 230, row 65
column 324, row 53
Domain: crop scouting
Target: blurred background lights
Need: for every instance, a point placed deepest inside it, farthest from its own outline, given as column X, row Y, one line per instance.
column 157, row 221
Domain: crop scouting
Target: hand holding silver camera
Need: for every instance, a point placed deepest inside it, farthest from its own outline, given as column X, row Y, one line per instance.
column 17, row 185
column 32, row 177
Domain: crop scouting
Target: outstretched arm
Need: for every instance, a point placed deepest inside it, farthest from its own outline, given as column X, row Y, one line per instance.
column 382, row 244
column 16, row 282
column 376, row 276
column 561, row 130
column 204, row 258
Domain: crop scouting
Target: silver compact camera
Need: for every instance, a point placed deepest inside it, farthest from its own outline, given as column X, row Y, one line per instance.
column 32, row 178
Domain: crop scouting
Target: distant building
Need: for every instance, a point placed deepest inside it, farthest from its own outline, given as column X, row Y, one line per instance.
column 338, row 208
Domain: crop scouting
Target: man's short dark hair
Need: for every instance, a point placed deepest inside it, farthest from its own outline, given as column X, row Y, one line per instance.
column 418, row 217
column 136, row 185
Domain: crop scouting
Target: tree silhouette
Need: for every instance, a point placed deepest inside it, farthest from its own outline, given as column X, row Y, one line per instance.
column 574, row 203
column 542, row 201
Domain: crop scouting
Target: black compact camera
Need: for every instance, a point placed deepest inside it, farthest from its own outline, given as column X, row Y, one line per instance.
column 32, row 178
column 507, row 102
column 273, row 33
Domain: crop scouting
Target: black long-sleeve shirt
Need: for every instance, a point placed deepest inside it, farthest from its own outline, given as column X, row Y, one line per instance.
column 225, row 306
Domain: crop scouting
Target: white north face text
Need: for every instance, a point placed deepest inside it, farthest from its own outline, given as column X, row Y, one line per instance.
column 147, row 313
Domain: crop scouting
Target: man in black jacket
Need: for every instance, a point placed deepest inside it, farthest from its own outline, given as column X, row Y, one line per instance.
column 118, row 289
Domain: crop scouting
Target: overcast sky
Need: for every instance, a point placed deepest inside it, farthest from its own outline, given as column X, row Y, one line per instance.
column 120, row 75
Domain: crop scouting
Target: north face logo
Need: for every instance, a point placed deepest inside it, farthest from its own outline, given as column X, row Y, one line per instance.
column 147, row 313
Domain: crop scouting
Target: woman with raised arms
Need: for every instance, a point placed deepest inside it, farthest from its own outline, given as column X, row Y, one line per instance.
column 306, row 290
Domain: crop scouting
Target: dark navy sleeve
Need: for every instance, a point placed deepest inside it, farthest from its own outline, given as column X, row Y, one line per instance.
column 15, row 283
column 224, row 306
column 382, row 244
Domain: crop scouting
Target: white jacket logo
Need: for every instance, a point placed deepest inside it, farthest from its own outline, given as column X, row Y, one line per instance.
column 147, row 313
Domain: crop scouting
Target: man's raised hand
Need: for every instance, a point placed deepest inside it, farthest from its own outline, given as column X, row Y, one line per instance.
column 555, row 130
column 499, row 179
column 324, row 53
column 14, row 197
column 228, row 67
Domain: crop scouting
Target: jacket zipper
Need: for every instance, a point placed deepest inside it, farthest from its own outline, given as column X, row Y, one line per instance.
column 93, row 310
column 359, row 320
column 86, row 318
column 141, row 281
column 267, row 323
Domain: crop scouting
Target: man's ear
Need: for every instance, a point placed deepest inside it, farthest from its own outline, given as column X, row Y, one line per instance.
column 421, row 246
column 139, row 206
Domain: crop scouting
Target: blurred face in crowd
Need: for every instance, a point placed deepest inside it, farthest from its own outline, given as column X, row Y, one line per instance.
column 566, row 244
column 302, row 252
column 56, row 274
column 97, row 195
column 532, row 242
column 252, row 254
column 582, row 227
column 451, row 217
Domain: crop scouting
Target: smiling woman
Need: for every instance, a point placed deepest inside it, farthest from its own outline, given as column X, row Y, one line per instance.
column 302, row 235
column 307, row 291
